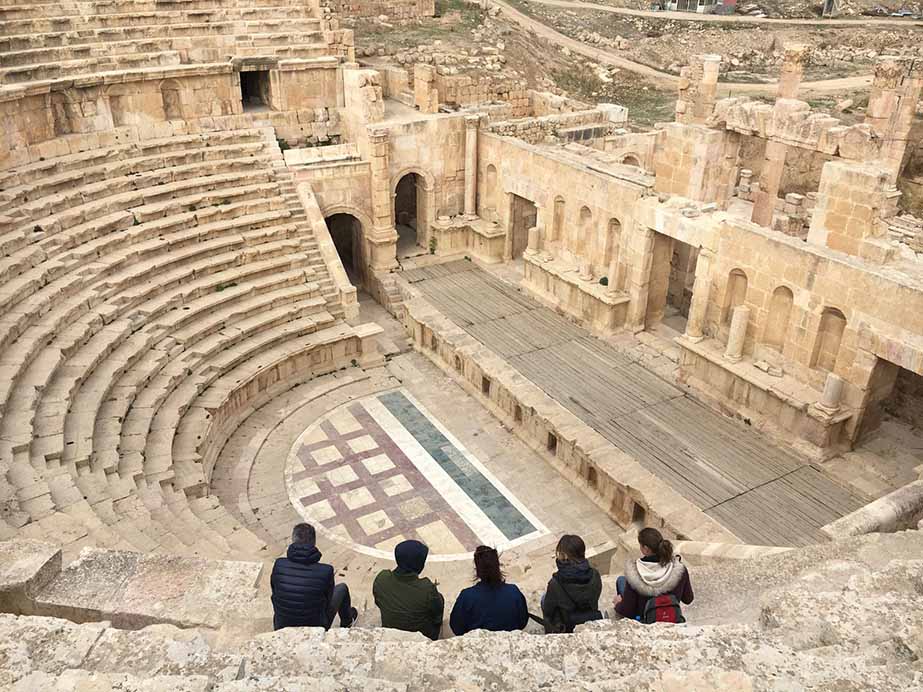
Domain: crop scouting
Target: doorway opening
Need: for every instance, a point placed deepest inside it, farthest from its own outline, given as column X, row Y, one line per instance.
column 410, row 215
column 672, row 278
column 523, row 216
column 895, row 393
column 254, row 90
column 346, row 233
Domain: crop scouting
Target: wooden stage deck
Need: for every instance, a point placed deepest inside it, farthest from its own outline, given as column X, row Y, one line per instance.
column 764, row 494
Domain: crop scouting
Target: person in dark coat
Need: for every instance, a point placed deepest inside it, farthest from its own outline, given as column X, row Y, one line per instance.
column 406, row 600
column 303, row 590
column 491, row 604
column 657, row 572
column 572, row 595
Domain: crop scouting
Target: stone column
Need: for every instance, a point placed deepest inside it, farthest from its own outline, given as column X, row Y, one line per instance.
column 471, row 165
column 833, row 392
column 737, row 334
column 764, row 200
column 382, row 239
column 642, row 256
column 698, row 306
column 708, row 87
column 895, row 92
column 535, row 241
column 613, row 276
column 793, row 60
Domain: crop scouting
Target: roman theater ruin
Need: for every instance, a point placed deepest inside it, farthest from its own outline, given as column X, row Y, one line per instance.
column 259, row 268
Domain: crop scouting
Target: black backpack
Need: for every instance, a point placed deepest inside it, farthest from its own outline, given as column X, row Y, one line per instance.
column 579, row 615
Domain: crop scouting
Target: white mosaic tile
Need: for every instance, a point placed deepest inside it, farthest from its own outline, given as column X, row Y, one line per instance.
column 378, row 463
column 320, row 511
column 345, row 422
column 375, row 522
column 360, row 497
column 362, row 444
column 305, row 487
column 326, row 455
column 396, row 485
column 341, row 476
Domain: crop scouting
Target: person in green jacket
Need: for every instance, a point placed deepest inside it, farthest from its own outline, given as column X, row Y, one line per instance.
column 406, row 600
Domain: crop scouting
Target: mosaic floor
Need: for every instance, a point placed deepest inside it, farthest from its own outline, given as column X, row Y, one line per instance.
column 383, row 469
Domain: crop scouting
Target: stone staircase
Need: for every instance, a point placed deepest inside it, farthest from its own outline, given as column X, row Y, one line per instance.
column 841, row 616
column 151, row 293
column 53, row 41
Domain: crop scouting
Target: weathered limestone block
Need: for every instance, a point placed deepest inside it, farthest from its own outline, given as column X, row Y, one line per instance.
column 26, row 567
column 134, row 590
column 897, row 510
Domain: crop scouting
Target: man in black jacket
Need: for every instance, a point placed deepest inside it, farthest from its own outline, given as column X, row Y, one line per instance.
column 303, row 592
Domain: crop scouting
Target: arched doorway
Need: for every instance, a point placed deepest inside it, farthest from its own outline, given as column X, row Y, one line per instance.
column 346, row 233
column 410, row 215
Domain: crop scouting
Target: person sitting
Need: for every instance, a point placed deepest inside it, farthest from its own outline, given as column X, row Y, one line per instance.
column 491, row 604
column 406, row 600
column 657, row 572
column 572, row 595
column 303, row 589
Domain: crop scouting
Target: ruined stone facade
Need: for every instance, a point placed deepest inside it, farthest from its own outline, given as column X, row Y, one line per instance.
column 190, row 206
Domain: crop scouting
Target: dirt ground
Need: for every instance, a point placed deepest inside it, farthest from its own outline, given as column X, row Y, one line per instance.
column 464, row 38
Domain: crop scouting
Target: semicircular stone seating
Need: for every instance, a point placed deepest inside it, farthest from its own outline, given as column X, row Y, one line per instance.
column 58, row 40
column 150, row 291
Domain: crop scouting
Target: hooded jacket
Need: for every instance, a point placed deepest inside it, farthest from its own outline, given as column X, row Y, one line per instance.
column 407, row 601
column 647, row 578
column 575, row 587
column 301, row 588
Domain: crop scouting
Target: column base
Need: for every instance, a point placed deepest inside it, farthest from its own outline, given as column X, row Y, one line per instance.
column 732, row 359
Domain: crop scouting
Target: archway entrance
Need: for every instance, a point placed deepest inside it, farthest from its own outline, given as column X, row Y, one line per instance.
column 346, row 233
column 410, row 215
column 523, row 216
column 672, row 277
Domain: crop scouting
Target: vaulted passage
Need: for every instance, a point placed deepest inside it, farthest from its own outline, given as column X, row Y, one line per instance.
column 346, row 233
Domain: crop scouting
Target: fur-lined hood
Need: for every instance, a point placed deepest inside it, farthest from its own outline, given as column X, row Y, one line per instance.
column 652, row 578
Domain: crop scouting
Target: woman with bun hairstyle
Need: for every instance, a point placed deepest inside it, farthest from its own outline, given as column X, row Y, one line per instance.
column 657, row 572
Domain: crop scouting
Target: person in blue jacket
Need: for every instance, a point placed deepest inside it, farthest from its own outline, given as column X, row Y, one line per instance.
column 491, row 604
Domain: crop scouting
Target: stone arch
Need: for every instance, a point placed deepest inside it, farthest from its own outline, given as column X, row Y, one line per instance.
column 780, row 314
column 119, row 97
column 828, row 340
column 490, row 190
column 557, row 219
column 62, row 114
column 347, row 228
column 735, row 294
column 171, row 94
column 631, row 159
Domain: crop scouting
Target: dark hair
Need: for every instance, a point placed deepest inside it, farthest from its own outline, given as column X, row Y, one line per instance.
column 572, row 547
column 487, row 566
column 654, row 541
column 304, row 533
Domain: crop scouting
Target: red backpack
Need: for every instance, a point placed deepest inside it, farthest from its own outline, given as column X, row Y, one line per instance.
column 663, row 608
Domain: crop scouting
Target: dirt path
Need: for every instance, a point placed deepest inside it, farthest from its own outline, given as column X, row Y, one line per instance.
column 658, row 77
column 729, row 19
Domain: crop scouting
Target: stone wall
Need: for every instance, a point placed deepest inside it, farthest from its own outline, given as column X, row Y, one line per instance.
column 534, row 130
column 466, row 90
column 299, row 97
column 583, row 214
column 393, row 9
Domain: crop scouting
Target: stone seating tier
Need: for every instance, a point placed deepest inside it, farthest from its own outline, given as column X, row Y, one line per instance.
column 782, row 622
column 56, row 40
column 150, row 292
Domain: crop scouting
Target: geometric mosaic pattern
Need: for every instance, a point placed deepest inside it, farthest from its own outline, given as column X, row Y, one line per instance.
column 381, row 470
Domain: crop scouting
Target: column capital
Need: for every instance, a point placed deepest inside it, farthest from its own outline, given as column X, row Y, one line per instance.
column 472, row 121
column 378, row 135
